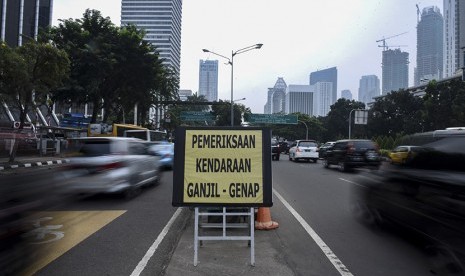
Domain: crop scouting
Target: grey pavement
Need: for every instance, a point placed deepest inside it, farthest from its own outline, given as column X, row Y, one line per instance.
column 228, row 257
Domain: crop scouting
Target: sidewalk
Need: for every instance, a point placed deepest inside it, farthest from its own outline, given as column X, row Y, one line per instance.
column 31, row 161
column 227, row 257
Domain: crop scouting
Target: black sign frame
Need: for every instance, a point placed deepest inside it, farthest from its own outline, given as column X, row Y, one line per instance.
column 179, row 168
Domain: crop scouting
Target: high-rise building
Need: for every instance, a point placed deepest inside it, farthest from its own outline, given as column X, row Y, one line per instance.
column 326, row 75
column 454, row 36
column 299, row 98
column 322, row 98
column 21, row 19
column 269, row 100
column 184, row 94
column 346, row 94
column 208, row 79
column 368, row 89
column 278, row 102
column 395, row 70
column 430, row 46
column 161, row 20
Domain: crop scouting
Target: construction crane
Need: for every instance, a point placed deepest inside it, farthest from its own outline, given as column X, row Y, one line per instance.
column 385, row 47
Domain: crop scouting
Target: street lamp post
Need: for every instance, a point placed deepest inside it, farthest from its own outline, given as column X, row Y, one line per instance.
column 306, row 135
column 231, row 62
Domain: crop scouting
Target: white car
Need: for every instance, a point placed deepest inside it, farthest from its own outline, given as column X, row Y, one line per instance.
column 304, row 150
column 109, row 165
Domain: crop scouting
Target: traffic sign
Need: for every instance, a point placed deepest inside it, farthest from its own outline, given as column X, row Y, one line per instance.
column 196, row 116
column 222, row 166
column 272, row 119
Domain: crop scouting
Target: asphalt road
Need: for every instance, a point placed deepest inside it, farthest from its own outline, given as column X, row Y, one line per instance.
column 322, row 197
column 106, row 235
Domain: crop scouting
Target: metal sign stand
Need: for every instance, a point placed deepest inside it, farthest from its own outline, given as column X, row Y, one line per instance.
column 224, row 226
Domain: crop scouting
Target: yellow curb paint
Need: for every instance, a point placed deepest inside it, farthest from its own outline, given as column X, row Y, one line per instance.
column 75, row 226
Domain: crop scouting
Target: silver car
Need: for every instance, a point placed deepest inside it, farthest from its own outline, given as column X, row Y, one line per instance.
column 110, row 165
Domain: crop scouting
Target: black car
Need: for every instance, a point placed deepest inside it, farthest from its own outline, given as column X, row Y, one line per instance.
column 323, row 148
column 355, row 153
column 275, row 150
column 424, row 199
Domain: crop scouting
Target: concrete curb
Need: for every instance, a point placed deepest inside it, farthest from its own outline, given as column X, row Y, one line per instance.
column 34, row 164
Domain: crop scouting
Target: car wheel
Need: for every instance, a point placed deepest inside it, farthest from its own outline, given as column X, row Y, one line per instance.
column 326, row 163
column 315, row 160
column 343, row 167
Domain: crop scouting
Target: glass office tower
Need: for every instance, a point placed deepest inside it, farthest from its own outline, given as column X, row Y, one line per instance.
column 20, row 20
column 161, row 19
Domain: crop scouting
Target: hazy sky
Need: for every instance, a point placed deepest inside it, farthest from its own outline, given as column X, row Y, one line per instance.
column 298, row 36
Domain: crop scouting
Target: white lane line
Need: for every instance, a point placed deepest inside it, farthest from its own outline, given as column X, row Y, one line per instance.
column 355, row 183
column 141, row 266
column 341, row 268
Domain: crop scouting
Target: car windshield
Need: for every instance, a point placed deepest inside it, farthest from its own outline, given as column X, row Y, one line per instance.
column 364, row 145
column 307, row 144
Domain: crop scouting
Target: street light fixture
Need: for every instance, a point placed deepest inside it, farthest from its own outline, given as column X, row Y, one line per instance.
column 231, row 62
column 306, row 135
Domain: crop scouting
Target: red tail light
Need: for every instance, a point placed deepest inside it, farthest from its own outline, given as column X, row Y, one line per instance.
column 110, row 166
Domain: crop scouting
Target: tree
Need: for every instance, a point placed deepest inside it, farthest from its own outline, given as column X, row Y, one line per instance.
column 28, row 73
column 444, row 105
column 223, row 113
column 396, row 113
column 336, row 122
column 112, row 68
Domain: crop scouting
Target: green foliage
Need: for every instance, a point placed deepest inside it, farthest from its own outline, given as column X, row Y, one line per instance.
column 337, row 120
column 397, row 112
column 223, row 113
column 29, row 72
column 444, row 105
column 111, row 67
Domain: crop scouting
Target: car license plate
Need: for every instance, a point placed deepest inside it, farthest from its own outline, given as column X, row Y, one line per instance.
column 372, row 155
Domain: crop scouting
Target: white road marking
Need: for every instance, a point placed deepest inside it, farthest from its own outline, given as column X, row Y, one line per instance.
column 341, row 268
column 141, row 266
column 355, row 183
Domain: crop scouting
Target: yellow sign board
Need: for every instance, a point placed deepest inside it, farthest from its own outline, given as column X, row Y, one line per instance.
column 222, row 166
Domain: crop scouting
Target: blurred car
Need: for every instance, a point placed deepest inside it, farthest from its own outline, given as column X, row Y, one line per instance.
column 402, row 154
column 304, row 150
column 354, row 153
column 166, row 152
column 110, row 165
column 275, row 150
column 323, row 148
column 425, row 199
